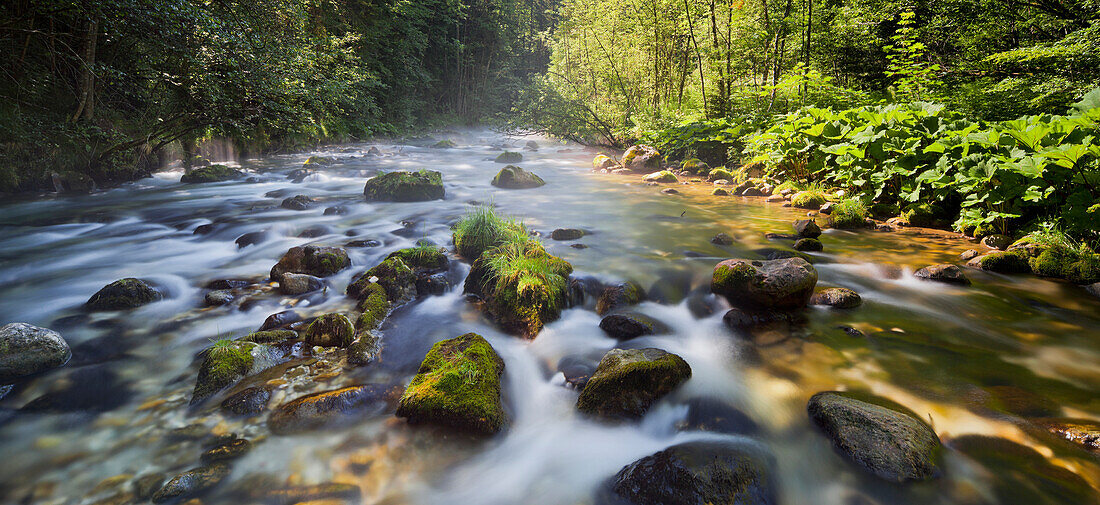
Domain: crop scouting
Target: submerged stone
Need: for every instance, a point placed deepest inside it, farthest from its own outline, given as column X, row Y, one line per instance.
column 329, row 409
column 946, row 273
column 618, row 296
column 628, row 381
column 227, row 451
column 247, row 402
column 192, row 482
column 628, row 325
column 123, row 294
column 212, row 173
column 297, row 202
column 405, row 186
column 458, row 386
column 699, row 473
column 566, row 234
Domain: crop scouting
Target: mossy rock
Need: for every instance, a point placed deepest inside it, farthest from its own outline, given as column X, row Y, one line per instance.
column 425, row 257
column 374, row 306
column 212, row 173
column 483, row 230
column 1004, row 262
column 719, row 173
column 1085, row 270
column 123, row 294
column 531, row 292
column 1055, row 262
column 457, row 386
column 330, row 330
column 223, row 364
column 808, row 200
column 662, row 176
column 808, row 244
column 618, row 296
column 403, row 186
column 509, row 157
column 924, row 215
column 444, row 144
column 719, row 192
column 319, row 160
column 890, row 443
column 603, row 162
column 769, row 284
column 641, row 158
column 841, row 298
column 395, row 277
column 628, row 382
column 513, row 177
column 728, row 472
column 695, row 166
column 270, row 336
column 318, row 261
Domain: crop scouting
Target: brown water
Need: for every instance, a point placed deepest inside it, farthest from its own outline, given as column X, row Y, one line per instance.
column 955, row 355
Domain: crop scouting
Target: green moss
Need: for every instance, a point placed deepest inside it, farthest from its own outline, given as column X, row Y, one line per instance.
column 405, row 186
column 509, row 157
column 313, row 260
column 212, row 173
column 1006, row 262
column 628, row 381
column 791, row 185
column 444, row 144
column 457, row 385
column 695, row 166
column 1054, row 262
column 525, row 287
column 719, row 192
column 725, row 276
column 850, row 213
column 319, row 160
column 719, row 174
column 269, row 336
column 422, row 257
column 662, row 176
column 629, row 156
column 602, row 161
column 374, row 306
column 392, row 274
column 330, row 330
column 922, row 214
column 1085, row 270
column 513, row 177
column 809, row 199
column 223, row 364
column 123, row 294
column 482, row 229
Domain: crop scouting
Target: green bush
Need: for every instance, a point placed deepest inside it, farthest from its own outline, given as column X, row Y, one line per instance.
column 482, row 229
column 850, row 213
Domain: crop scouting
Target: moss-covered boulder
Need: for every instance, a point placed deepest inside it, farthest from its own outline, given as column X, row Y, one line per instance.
column 720, row 174
column 425, row 257
column 808, row 244
column 457, row 386
column 662, row 176
column 374, row 305
column 228, row 361
column 603, row 162
column 319, row 160
column 924, row 215
column 513, row 177
column 1086, row 270
column 703, row 472
column 695, row 166
column 444, row 144
column 393, row 275
column 642, row 158
column 403, row 186
column 566, row 234
column 330, row 330
column 618, row 296
column 269, row 336
column 123, row 294
column 719, row 192
column 808, row 199
column 1003, row 262
column 628, row 381
column 509, row 157
column 523, row 286
column 944, row 272
column 329, row 409
column 841, row 298
column 27, row 350
column 318, row 261
column 765, row 284
column 212, row 173
column 884, row 438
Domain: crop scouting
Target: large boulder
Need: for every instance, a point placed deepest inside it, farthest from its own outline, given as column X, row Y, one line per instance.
column 628, row 381
column 513, row 177
column 329, row 409
column 509, row 157
column 27, row 350
column 228, row 361
column 946, row 273
column 317, row 261
column 883, row 438
column 765, row 284
column 603, row 162
column 698, row 473
column 405, row 186
column 123, row 294
column 458, row 386
column 212, row 173
column 642, row 158
column 1002, row 262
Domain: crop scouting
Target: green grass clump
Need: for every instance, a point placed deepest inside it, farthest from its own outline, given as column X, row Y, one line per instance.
column 1055, row 261
column 426, row 257
column 720, row 173
column 791, row 185
column 1085, row 270
column 374, row 307
column 482, row 229
column 525, row 286
column 809, row 199
column 849, row 213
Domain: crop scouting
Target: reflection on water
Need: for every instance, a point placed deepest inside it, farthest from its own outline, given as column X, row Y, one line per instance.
column 986, row 360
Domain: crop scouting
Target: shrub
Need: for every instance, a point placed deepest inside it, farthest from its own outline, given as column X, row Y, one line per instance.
column 850, row 213
column 482, row 229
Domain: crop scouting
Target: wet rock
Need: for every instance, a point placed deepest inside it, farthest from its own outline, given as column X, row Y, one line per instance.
column 513, row 177
column 807, row 228
column 669, row 191
column 808, row 244
column 889, row 442
column 719, row 192
column 738, row 319
column 218, row 298
column 1093, row 289
column 641, row 158
column 336, row 210
column 280, row 320
column 432, row 285
column 1083, row 432
column 405, row 186
column 330, row 330
column 146, row 485
column 227, row 284
column 27, row 350
column 329, row 409
column 96, row 388
column 705, row 414
column 313, row 260
column 247, row 402
column 1000, row 242
column 251, row 238
column 298, row 175
column 297, row 202
column 841, row 298
column 1020, row 474
column 628, row 381
column 946, row 273
column 603, row 162
column 328, row 493
column 722, row 239
column 458, row 386
column 444, row 144
column 393, row 275
column 628, row 325
column 969, row 254
column 577, row 370
column 751, row 191
column 364, row 349
column 363, row 243
column 123, row 294
column 618, row 296
column 212, row 173
column 315, row 231
column 771, row 284
column 1003, row 262
column 509, row 157
column 697, row 473
column 1020, row 402
column 226, row 362
column 192, row 482
column 566, row 234
column 226, row 451
column 297, row 284
column 319, row 160
column 578, row 246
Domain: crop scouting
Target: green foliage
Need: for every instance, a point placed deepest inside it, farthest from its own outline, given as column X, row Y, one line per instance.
column 810, row 198
column 482, row 229
column 524, row 285
column 849, row 213
column 912, row 74
column 719, row 174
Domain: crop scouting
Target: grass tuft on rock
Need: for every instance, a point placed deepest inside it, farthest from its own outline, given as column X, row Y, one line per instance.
column 850, row 213
column 483, row 229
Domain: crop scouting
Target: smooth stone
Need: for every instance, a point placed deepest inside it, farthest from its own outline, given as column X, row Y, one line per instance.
column 807, row 228
column 841, row 298
column 769, row 284
column 250, row 238
column 628, row 325
column 700, row 473
column 946, row 273
column 218, row 298
column 566, row 234
column 808, row 244
column 226, row 451
column 297, row 202
column 969, row 254
column 628, row 382
column 705, row 414
column 247, row 402
column 123, row 294
column 27, row 350
column 329, row 409
column 192, row 482
column 297, row 284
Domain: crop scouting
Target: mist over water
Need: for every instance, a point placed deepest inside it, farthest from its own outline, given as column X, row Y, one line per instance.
column 937, row 349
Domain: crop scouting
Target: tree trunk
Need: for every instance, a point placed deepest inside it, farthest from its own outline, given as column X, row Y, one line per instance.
column 86, row 90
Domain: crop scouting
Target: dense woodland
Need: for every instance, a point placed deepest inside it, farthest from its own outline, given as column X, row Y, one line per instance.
column 100, row 92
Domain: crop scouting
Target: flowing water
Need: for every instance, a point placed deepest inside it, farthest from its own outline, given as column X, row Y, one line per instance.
column 979, row 360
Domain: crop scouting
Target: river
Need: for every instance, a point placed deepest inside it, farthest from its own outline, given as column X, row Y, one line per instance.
column 977, row 360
